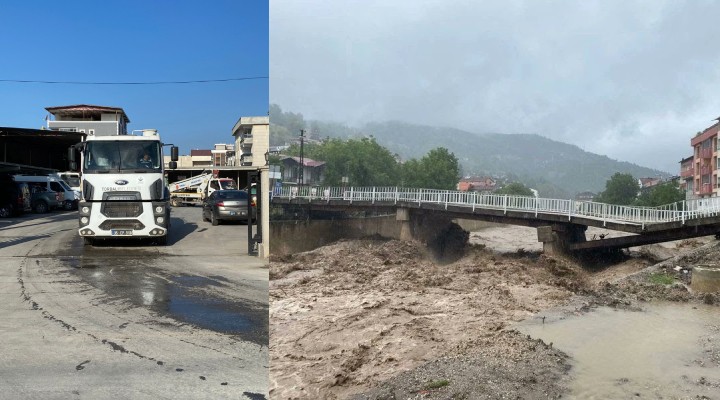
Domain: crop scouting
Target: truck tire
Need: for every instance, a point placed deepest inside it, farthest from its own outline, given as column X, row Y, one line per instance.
column 213, row 220
column 174, row 202
column 6, row 211
column 41, row 207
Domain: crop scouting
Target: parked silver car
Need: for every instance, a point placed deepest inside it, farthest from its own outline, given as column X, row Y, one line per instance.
column 224, row 205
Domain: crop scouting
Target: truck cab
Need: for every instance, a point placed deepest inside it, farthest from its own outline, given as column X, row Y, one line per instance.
column 123, row 197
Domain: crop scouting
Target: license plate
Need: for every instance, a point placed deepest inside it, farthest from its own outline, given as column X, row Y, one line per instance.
column 121, row 232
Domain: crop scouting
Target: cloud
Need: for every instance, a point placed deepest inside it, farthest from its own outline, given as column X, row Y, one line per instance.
column 633, row 80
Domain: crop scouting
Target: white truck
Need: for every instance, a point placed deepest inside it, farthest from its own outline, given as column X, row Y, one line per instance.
column 194, row 190
column 123, row 197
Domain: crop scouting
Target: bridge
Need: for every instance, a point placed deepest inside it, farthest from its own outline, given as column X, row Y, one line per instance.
column 561, row 223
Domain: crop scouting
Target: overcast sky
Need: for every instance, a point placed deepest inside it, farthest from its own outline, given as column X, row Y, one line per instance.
column 631, row 80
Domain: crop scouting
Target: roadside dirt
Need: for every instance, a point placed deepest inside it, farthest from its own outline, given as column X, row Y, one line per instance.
column 373, row 319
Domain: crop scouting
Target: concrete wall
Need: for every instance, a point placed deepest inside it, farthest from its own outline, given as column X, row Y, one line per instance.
column 288, row 237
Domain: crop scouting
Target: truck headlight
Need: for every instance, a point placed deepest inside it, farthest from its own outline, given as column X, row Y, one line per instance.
column 160, row 220
column 85, row 210
column 84, row 220
column 159, row 209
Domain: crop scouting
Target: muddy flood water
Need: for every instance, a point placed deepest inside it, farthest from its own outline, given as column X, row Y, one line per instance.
column 665, row 351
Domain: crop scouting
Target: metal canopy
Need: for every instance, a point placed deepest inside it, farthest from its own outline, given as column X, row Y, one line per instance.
column 36, row 149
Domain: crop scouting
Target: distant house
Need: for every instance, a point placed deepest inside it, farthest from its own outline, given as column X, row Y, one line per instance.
column 585, row 196
column 312, row 171
column 647, row 183
column 477, row 184
column 88, row 119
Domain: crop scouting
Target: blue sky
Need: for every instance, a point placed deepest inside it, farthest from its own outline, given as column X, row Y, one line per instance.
column 132, row 41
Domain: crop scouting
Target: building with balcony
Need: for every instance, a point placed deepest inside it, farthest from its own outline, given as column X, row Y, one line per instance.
column 704, row 168
column 223, row 154
column 88, row 119
column 687, row 176
column 252, row 141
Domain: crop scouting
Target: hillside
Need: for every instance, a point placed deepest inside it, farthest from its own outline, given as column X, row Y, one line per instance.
column 552, row 167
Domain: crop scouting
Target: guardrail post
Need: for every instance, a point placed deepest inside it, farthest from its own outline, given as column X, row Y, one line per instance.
column 536, row 207
column 683, row 213
column 447, row 196
column 351, row 194
column 419, row 197
column 505, row 204
column 397, row 194
column 570, row 210
column 474, row 197
column 373, row 195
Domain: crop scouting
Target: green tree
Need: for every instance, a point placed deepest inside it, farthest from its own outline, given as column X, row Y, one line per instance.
column 665, row 193
column 620, row 189
column 438, row 169
column 516, row 189
column 363, row 161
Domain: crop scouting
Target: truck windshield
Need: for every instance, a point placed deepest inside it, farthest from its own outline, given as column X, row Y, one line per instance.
column 135, row 156
column 228, row 184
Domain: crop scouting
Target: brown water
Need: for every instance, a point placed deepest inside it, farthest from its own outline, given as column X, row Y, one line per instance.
column 666, row 351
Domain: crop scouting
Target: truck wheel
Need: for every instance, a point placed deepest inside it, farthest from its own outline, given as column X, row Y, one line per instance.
column 68, row 205
column 174, row 202
column 213, row 220
column 41, row 207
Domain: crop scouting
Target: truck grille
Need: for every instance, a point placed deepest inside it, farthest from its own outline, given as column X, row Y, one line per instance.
column 121, row 209
column 122, row 224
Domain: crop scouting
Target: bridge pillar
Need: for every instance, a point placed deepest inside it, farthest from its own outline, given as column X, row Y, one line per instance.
column 556, row 237
column 403, row 218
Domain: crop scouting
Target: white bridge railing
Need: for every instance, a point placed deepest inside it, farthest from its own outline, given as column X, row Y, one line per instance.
column 680, row 211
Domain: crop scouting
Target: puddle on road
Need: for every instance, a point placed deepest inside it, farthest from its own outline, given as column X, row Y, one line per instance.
column 663, row 352
column 179, row 297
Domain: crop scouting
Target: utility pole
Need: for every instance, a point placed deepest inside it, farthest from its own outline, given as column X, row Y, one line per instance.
column 301, row 175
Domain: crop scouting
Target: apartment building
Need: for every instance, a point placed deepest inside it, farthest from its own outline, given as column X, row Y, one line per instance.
column 88, row 119
column 687, row 176
column 252, row 141
column 705, row 162
column 220, row 155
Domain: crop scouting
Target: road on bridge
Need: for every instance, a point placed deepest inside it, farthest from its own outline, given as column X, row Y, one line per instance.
column 131, row 320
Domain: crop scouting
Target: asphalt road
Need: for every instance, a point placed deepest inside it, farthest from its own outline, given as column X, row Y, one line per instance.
column 128, row 319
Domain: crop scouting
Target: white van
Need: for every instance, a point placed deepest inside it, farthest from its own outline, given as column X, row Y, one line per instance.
column 73, row 180
column 51, row 183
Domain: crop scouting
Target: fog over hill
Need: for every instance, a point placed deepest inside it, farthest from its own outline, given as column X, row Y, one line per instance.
column 552, row 167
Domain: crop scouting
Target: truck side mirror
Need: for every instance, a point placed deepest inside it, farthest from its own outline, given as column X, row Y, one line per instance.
column 172, row 164
column 71, row 158
column 174, row 154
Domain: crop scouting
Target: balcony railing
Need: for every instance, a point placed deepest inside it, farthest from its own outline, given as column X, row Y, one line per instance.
column 706, row 152
column 687, row 173
column 705, row 170
column 705, row 188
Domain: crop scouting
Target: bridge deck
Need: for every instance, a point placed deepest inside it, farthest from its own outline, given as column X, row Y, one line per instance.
column 655, row 224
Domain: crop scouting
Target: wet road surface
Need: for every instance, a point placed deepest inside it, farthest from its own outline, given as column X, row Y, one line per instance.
column 184, row 321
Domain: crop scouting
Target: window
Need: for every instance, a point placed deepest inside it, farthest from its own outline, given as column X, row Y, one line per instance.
column 55, row 186
column 67, row 129
column 91, row 131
